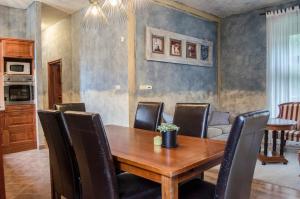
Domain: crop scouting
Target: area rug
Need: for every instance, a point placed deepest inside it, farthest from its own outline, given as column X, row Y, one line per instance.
column 279, row 174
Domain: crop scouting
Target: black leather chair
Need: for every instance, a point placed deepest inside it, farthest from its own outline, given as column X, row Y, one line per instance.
column 63, row 166
column 70, row 107
column 236, row 173
column 192, row 118
column 96, row 166
column 148, row 115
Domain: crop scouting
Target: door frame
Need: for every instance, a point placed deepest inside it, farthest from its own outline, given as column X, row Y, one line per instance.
column 49, row 85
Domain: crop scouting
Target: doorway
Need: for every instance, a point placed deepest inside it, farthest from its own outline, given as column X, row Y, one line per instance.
column 54, row 83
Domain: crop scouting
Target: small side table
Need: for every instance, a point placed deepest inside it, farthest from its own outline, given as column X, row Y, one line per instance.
column 276, row 126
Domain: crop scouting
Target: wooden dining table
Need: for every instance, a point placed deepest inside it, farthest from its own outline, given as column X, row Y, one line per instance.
column 135, row 153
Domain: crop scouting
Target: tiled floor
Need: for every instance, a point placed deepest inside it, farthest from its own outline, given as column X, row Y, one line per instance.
column 27, row 175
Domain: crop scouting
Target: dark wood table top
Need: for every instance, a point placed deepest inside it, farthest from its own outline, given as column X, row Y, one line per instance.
column 135, row 147
column 280, row 124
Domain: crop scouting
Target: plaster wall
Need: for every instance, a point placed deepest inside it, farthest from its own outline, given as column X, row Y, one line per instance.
column 33, row 32
column 99, row 61
column 171, row 82
column 12, row 22
column 56, row 44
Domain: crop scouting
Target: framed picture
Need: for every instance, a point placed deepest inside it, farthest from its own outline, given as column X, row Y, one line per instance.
column 170, row 47
column 206, row 53
column 191, row 50
column 158, row 44
column 175, row 47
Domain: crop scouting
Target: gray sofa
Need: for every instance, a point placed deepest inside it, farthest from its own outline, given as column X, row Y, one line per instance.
column 219, row 124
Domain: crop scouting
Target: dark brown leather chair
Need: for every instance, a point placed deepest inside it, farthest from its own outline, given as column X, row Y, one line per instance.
column 70, row 107
column 63, row 166
column 148, row 115
column 192, row 118
column 96, row 166
column 236, row 173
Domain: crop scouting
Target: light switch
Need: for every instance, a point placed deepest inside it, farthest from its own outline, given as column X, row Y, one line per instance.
column 118, row 87
column 145, row 87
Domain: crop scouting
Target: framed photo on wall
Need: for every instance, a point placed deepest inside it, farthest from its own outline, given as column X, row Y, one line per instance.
column 166, row 46
column 158, row 44
column 206, row 51
column 175, row 47
column 191, row 50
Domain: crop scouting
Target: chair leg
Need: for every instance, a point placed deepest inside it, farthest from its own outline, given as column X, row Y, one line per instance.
column 202, row 176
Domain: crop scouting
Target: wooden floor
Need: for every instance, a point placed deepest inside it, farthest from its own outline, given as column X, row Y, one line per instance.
column 27, row 177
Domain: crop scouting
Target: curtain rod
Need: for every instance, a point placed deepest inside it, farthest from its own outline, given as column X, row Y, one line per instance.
column 265, row 12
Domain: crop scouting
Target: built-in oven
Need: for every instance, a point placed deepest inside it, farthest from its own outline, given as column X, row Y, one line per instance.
column 18, row 90
column 17, row 68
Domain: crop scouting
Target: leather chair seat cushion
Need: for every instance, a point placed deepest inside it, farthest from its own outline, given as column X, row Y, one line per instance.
column 197, row 189
column 134, row 187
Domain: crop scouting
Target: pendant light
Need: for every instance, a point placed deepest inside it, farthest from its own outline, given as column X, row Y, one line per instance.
column 115, row 10
column 94, row 17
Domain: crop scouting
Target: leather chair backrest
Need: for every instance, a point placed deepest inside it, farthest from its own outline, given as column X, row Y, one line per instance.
column 97, row 173
column 63, row 165
column 237, row 168
column 192, row 118
column 148, row 115
column 70, row 107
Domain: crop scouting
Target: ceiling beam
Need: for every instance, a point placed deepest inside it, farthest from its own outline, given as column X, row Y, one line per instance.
column 193, row 11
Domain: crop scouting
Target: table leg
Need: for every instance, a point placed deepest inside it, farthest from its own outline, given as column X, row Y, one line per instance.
column 274, row 141
column 266, row 143
column 169, row 188
column 281, row 143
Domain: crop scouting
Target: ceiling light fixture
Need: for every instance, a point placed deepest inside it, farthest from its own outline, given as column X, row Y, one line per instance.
column 94, row 16
column 115, row 10
column 97, row 15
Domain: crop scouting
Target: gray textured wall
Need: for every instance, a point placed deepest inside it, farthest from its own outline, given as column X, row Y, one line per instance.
column 243, row 62
column 56, row 44
column 99, row 64
column 174, row 82
column 12, row 22
column 33, row 32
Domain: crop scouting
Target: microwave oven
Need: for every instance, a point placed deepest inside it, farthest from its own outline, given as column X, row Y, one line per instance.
column 18, row 68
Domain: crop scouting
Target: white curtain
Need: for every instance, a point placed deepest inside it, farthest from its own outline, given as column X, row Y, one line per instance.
column 283, row 54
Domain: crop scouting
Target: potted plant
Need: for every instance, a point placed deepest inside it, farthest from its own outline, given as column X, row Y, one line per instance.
column 168, row 134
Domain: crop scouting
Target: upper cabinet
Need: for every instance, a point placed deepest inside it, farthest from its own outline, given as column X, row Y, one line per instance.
column 17, row 48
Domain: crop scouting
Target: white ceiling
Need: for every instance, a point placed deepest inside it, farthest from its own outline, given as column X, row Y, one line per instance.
column 223, row 8
column 220, row 8
column 51, row 16
column 68, row 6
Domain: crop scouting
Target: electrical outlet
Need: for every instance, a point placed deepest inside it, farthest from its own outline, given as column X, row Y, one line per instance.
column 118, row 87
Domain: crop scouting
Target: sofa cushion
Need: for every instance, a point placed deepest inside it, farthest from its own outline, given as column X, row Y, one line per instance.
column 219, row 118
column 223, row 137
column 225, row 128
column 213, row 132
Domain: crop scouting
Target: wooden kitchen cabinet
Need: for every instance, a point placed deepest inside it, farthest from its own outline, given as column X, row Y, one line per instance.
column 1, row 79
column 2, row 187
column 14, row 48
column 19, row 128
